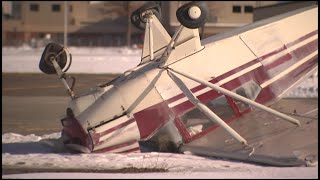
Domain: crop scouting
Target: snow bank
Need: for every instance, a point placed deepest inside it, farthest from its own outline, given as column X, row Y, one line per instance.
column 28, row 152
column 84, row 60
column 307, row 89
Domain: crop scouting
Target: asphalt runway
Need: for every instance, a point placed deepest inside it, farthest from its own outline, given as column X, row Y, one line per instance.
column 35, row 103
column 275, row 141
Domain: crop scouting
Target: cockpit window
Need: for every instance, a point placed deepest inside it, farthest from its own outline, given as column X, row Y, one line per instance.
column 195, row 121
column 249, row 90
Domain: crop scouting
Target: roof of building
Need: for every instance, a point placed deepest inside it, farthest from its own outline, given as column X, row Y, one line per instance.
column 284, row 3
column 107, row 25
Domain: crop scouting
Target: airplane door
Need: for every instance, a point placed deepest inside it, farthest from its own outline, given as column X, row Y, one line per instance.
column 192, row 123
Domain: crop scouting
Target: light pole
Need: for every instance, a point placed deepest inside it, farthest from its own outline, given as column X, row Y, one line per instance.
column 65, row 24
column 129, row 24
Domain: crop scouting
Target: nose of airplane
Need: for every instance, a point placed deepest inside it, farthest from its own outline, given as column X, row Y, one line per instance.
column 74, row 136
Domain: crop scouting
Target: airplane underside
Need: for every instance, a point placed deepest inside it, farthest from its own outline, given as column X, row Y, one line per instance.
column 207, row 97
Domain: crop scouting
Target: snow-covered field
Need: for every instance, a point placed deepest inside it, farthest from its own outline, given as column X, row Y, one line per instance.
column 29, row 152
column 84, row 60
column 105, row 60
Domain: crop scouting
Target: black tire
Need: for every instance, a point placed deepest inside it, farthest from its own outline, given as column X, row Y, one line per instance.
column 185, row 20
column 136, row 17
column 52, row 49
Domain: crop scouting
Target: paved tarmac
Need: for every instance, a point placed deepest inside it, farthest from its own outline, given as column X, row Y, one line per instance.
column 276, row 142
column 35, row 103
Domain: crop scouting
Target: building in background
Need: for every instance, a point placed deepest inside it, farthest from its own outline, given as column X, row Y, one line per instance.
column 222, row 15
column 89, row 23
column 279, row 8
column 107, row 23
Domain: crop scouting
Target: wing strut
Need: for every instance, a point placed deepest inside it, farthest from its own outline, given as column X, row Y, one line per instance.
column 149, row 21
column 210, row 114
column 238, row 97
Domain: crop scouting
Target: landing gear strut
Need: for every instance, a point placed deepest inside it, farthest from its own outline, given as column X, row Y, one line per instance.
column 53, row 61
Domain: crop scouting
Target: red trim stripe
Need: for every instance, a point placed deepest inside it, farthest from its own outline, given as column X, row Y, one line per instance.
column 131, row 150
column 150, row 119
column 96, row 136
column 279, row 61
column 290, row 44
column 182, row 129
column 255, row 75
column 115, row 147
column 233, row 71
column 232, row 118
column 250, row 63
column 272, row 53
column 265, row 95
column 284, row 82
column 305, row 50
column 175, row 98
column 307, row 36
column 298, row 53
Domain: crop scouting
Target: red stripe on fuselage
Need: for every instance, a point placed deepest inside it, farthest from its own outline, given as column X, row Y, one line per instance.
column 96, row 136
column 290, row 44
column 284, row 82
column 298, row 53
column 262, row 76
column 152, row 118
column 231, row 85
column 131, row 150
column 307, row 36
column 110, row 148
column 265, row 95
column 149, row 120
column 272, row 53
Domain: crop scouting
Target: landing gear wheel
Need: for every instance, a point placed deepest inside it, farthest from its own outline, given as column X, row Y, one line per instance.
column 192, row 15
column 138, row 18
column 52, row 50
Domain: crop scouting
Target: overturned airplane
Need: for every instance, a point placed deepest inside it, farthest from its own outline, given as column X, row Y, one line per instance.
column 185, row 89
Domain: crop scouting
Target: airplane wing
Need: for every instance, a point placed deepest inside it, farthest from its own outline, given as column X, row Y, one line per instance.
column 186, row 42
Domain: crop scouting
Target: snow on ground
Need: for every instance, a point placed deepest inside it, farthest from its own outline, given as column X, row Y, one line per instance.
column 105, row 60
column 84, row 60
column 29, row 152
column 307, row 89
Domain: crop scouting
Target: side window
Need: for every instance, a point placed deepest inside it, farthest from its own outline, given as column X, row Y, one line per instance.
column 248, row 9
column 55, row 8
column 34, row 7
column 196, row 121
column 249, row 90
column 236, row 9
column 221, row 107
